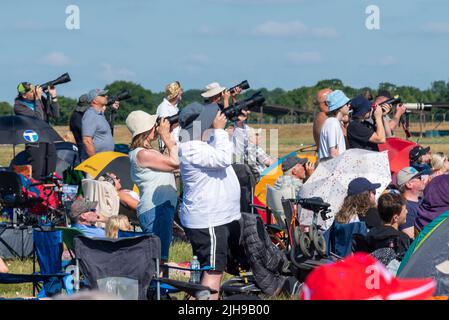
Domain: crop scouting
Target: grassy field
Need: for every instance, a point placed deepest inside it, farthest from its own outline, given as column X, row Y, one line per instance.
column 290, row 138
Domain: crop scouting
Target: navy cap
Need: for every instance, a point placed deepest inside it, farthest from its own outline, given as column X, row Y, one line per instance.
column 417, row 152
column 195, row 113
column 291, row 161
column 360, row 106
column 359, row 185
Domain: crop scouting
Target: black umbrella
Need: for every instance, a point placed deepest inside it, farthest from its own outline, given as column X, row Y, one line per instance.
column 21, row 129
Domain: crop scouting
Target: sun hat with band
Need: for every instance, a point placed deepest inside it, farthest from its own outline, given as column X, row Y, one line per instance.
column 172, row 90
column 362, row 277
column 139, row 122
column 212, row 89
column 195, row 119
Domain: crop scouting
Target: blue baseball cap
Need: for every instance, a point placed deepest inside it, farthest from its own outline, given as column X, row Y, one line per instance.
column 360, row 106
column 336, row 99
column 95, row 93
column 359, row 185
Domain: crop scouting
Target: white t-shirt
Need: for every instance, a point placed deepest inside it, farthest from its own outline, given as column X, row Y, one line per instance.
column 166, row 109
column 211, row 189
column 331, row 136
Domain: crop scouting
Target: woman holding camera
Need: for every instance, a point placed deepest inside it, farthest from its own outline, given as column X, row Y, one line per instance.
column 153, row 174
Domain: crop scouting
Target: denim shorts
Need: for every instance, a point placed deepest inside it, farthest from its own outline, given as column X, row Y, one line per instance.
column 159, row 221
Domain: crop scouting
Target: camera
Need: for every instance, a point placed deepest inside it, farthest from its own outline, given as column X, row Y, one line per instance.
column 315, row 204
column 242, row 85
column 61, row 79
column 171, row 119
column 393, row 101
column 123, row 95
column 233, row 111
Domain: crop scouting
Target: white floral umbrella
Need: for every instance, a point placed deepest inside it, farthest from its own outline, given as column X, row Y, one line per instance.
column 331, row 179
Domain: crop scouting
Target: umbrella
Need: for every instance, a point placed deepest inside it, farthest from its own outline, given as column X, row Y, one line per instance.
column 109, row 161
column 272, row 173
column 331, row 179
column 21, row 129
column 398, row 153
column 428, row 256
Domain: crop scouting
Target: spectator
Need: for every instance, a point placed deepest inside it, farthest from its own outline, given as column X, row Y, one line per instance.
column 439, row 163
column 295, row 171
column 97, row 134
column 257, row 157
column 390, row 124
column 153, row 174
column 75, row 125
column 435, row 201
column 210, row 211
column 332, row 140
column 363, row 134
column 83, row 216
column 31, row 103
column 420, row 158
column 3, row 266
column 360, row 204
column 127, row 197
column 393, row 212
column 116, row 223
column 169, row 107
column 411, row 184
column 321, row 117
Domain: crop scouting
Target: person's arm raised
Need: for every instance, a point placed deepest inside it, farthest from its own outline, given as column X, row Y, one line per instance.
column 379, row 135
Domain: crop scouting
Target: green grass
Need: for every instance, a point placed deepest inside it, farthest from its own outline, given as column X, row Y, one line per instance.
column 18, row 290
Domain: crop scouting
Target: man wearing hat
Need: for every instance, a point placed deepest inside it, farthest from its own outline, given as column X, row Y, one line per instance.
column 210, row 211
column 97, row 134
column 169, row 106
column 420, row 158
column 332, row 140
column 30, row 102
column 83, row 216
column 295, row 170
column 412, row 183
column 361, row 133
column 75, row 124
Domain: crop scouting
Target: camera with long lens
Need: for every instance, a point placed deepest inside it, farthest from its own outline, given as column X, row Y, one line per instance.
column 393, row 102
column 123, row 95
column 60, row 80
column 244, row 85
column 233, row 111
column 171, row 119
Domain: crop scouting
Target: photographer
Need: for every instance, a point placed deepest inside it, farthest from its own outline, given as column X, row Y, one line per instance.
column 30, row 102
column 362, row 134
column 392, row 123
column 96, row 130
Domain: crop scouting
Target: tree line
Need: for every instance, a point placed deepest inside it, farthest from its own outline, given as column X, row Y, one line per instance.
column 302, row 98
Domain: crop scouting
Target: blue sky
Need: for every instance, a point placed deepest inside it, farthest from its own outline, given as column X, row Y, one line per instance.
column 283, row 43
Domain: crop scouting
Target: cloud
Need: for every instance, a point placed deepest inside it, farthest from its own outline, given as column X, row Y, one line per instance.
column 305, row 58
column 293, row 29
column 56, row 59
column 438, row 28
column 110, row 73
column 387, row 61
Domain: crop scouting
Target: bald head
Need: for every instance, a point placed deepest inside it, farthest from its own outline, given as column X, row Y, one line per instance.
column 321, row 99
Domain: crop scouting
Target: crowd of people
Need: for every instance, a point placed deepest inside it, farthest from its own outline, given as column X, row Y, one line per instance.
column 201, row 149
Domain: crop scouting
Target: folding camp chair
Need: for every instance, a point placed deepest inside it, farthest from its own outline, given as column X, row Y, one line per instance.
column 68, row 234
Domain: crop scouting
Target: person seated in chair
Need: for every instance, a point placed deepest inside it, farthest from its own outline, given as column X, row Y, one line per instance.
column 393, row 212
column 128, row 198
column 295, row 171
column 83, row 216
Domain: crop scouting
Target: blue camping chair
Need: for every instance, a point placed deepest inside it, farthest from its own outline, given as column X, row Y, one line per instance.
column 340, row 237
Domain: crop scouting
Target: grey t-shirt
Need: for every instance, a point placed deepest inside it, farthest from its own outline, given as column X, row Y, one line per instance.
column 95, row 125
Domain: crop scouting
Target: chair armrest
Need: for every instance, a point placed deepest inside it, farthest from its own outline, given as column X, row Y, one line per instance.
column 190, row 288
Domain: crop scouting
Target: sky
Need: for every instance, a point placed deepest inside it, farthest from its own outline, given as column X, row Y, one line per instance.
column 271, row 43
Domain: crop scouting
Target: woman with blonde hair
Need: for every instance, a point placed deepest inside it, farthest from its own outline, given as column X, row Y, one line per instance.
column 439, row 163
column 116, row 223
column 152, row 172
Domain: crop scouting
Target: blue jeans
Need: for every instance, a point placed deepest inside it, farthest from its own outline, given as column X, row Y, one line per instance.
column 159, row 221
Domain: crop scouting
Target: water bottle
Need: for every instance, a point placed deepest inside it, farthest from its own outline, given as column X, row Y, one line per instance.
column 195, row 272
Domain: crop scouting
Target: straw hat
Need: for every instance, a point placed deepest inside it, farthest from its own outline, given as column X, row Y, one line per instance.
column 139, row 121
column 212, row 89
column 172, row 90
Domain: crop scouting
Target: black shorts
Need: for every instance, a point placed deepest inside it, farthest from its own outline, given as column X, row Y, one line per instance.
column 214, row 246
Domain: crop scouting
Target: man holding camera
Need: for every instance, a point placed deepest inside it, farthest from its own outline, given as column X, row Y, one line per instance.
column 362, row 134
column 31, row 102
column 97, row 134
column 390, row 123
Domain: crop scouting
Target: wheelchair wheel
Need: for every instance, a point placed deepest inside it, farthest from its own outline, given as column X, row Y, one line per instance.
column 305, row 245
column 320, row 243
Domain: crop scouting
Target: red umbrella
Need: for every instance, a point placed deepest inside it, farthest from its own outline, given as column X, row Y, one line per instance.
column 398, row 153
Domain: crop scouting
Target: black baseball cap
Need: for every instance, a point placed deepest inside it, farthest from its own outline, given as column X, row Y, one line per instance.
column 417, row 152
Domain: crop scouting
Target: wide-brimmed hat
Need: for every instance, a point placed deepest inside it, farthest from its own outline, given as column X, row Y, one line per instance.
column 195, row 119
column 172, row 90
column 362, row 277
column 139, row 121
column 336, row 99
column 212, row 89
